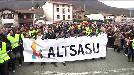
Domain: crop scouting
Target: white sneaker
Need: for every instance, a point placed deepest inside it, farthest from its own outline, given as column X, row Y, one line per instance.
column 20, row 65
column 126, row 55
column 13, row 71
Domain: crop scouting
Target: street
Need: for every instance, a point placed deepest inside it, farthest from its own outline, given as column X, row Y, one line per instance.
column 114, row 64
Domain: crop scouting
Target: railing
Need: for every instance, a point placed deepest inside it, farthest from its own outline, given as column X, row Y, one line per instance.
column 25, row 20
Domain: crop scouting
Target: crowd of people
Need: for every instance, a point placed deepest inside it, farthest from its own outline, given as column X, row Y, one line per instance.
column 120, row 37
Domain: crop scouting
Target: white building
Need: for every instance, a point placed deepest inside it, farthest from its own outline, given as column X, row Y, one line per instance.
column 120, row 18
column 57, row 11
column 95, row 17
column 109, row 17
column 101, row 16
column 8, row 16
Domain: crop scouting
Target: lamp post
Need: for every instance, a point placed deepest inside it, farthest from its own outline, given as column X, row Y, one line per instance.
column 83, row 9
column 84, row 6
column 130, row 12
column 32, row 2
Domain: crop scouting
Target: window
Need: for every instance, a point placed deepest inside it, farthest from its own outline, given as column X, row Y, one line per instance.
column 63, row 10
column 10, row 16
column 5, row 16
column 68, row 6
column 25, row 16
column 28, row 16
column 57, row 5
column 68, row 16
column 63, row 17
column 31, row 16
column 63, row 5
column 21, row 16
column 57, row 9
column 58, row 16
column 68, row 10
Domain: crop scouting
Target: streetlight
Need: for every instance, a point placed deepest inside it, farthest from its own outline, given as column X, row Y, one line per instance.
column 84, row 5
column 130, row 13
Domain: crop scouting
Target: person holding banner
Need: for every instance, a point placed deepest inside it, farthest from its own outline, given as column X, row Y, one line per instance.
column 50, row 35
column 4, row 57
column 62, row 35
column 39, row 35
column 21, row 37
column 14, row 44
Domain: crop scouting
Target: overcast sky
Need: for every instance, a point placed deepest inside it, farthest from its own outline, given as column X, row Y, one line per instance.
column 119, row 3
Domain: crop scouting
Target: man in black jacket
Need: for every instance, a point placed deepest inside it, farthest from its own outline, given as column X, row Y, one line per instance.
column 50, row 35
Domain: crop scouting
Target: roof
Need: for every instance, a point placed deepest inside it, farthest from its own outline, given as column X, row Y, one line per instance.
column 35, row 11
column 55, row 2
column 105, row 14
column 12, row 4
column 77, row 11
column 3, row 9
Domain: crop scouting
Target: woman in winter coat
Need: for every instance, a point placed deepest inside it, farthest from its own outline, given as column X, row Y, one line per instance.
column 117, row 43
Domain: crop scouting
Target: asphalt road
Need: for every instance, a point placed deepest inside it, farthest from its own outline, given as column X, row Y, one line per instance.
column 114, row 64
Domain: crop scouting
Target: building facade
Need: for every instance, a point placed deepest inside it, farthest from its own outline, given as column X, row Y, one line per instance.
column 96, row 17
column 121, row 18
column 79, row 14
column 57, row 11
column 20, row 17
column 8, row 16
column 101, row 16
column 29, row 16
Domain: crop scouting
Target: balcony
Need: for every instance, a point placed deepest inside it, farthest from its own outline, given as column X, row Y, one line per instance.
column 25, row 20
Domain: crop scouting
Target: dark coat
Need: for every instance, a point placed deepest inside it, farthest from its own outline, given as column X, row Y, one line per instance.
column 50, row 35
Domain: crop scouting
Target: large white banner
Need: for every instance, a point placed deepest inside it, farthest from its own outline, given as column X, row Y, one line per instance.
column 68, row 49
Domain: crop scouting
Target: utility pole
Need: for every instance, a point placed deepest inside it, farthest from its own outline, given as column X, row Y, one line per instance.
column 32, row 2
column 130, row 13
column 84, row 5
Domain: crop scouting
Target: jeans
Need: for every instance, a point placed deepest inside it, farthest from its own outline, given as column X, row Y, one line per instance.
column 130, row 54
column 4, row 68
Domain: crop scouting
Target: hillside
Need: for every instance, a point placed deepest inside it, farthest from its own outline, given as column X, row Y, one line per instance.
column 92, row 6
